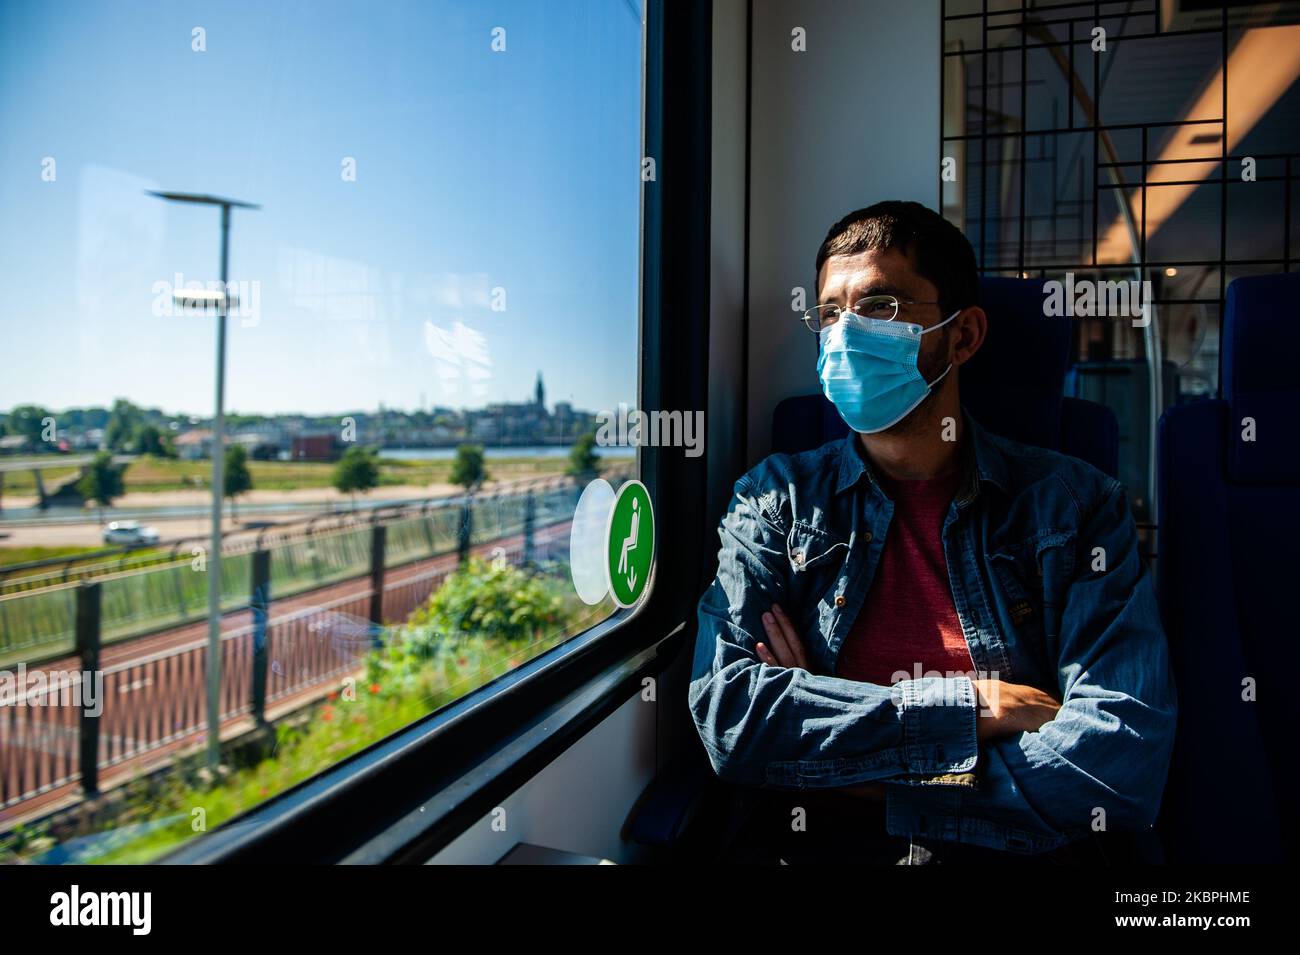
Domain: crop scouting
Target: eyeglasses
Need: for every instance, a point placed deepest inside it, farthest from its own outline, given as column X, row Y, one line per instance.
column 882, row 308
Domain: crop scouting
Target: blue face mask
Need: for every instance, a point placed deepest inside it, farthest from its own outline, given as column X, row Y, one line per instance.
column 868, row 370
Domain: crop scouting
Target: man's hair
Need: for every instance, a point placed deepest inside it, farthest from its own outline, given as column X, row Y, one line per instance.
column 938, row 250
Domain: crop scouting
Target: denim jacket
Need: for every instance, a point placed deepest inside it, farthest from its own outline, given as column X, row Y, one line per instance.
column 1050, row 591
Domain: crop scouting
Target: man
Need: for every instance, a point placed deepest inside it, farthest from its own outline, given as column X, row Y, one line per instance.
column 931, row 637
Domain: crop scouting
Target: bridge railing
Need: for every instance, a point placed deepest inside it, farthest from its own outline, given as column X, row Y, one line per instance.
column 54, row 571
column 153, row 703
column 41, row 624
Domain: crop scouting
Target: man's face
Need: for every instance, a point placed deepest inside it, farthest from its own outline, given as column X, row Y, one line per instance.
column 846, row 278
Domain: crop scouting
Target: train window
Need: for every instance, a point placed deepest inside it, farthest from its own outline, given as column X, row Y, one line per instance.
column 419, row 225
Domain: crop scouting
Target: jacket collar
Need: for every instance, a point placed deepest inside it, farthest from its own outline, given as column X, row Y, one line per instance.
column 983, row 456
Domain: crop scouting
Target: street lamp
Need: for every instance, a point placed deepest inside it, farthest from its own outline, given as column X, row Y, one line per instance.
column 218, row 425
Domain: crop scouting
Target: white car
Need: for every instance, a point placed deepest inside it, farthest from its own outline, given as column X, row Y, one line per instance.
column 129, row 532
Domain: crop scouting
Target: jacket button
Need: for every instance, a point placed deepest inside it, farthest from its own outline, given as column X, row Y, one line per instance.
column 867, row 537
column 839, row 600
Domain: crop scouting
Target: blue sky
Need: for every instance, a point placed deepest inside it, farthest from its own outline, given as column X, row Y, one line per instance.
column 475, row 170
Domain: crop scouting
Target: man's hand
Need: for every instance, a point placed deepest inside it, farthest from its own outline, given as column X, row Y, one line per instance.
column 784, row 648
column 1010, row 708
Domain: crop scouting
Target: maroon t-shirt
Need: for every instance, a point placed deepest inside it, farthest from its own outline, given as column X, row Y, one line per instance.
column 909, row 617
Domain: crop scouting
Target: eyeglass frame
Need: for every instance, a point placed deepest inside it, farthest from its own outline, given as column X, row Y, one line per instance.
column 853, row 308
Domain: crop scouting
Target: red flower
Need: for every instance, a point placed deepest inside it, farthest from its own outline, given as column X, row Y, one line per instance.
column 374, row 688
column 333, row 695
column 327, row 713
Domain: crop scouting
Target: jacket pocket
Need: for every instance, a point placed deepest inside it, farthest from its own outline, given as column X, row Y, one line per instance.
column 810, row 549
column 1032, row 573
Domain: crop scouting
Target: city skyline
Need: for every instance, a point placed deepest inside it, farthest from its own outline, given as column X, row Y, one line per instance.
column 383, row 407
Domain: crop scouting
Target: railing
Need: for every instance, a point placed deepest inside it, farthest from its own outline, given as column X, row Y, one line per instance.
column 40, row 624
column 155, row 702
column 53, row 571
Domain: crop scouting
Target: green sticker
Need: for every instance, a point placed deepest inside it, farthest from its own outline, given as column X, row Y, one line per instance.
column 630, row 543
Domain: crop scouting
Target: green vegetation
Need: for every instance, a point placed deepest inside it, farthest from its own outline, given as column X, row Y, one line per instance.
column 484, row 621
column 357, row 470
column 152, row 474
column 102, row 482
column 133, row 430
column 583, row 463
column 124, row 420
column 21, row 555
column 467, row 469
column 27, row 420
column 151, row 440
column 235, row 479
column 24, row 482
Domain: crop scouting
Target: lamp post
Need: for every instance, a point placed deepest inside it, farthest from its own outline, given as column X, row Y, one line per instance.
column 218, row 462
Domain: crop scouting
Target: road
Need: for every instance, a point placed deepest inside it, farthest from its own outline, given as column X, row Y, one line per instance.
column 184, row 514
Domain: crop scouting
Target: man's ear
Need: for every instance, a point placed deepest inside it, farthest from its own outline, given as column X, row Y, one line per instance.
column 972, row 325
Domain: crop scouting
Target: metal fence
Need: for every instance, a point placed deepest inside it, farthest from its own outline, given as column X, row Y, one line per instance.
column 41, row 624
column 154, row 700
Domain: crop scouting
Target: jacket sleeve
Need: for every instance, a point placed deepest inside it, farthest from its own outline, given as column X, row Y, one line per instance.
column 1101, row 762
column 786, row 727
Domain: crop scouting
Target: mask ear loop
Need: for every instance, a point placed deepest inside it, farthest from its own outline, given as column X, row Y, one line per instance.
column 925, row 331
column 932, row 328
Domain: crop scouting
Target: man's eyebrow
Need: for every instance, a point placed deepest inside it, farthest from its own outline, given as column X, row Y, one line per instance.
column 879, row 289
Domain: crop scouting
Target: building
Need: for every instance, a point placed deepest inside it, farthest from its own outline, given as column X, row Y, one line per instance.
column 314, row 447
column 193, row 445
column 14, row 443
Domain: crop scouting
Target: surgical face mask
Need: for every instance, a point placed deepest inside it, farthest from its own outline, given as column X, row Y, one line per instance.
column 869, row 372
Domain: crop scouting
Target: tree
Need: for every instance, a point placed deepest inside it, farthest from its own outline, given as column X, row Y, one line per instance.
column 467, row 469
column 236, row 479
column 583, row 462
column 27, row 420
column 102, row 481
column 123, row 427
column 357, row 470
column 151, row 440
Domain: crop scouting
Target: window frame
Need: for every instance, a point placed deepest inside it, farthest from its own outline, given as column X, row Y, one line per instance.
column 403, row 798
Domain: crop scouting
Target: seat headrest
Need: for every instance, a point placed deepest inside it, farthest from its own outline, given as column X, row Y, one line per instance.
column 1015, row 383
column 1261, row 344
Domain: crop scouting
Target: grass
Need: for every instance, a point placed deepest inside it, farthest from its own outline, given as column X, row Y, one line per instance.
column 21, row 555
column 151, row 475
column 24, row 482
